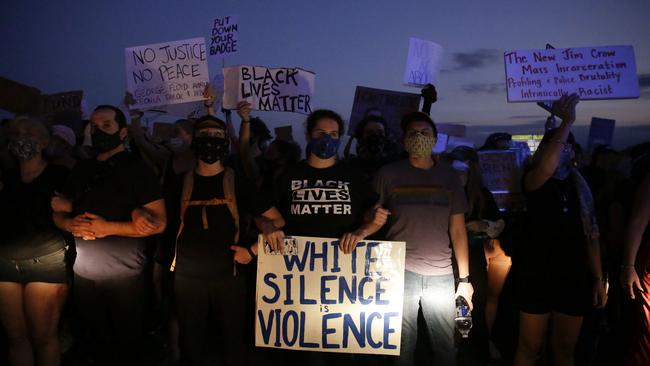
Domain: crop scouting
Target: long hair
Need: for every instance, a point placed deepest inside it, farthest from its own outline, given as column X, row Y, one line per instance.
column 475, row 191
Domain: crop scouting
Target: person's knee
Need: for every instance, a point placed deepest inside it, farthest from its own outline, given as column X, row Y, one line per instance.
column 563, row 349
column 43, row 336
column 529, row 348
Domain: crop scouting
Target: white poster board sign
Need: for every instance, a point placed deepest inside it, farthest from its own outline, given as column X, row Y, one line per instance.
column 607, row 72
column 284, row 89
column 224, row 36
column 167, row 73
column 423, row 62
column 315, row 297
column 601, row 132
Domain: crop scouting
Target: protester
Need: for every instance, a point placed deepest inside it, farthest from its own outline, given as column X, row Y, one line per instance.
column 110, row 204
column 350, row 215
column 559, row 270
column 372, row 152
column 489, row 265
column 427, row 206
column 209, row 290
column 34, row 267
column 61, row 147
column 635, row 271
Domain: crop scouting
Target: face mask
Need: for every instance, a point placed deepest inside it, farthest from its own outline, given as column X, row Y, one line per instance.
column 103, row 142
column 372, row 146
column 419, row 145
column 24, row 148
column 324, row 147
column 210, row 149
column 563, row 167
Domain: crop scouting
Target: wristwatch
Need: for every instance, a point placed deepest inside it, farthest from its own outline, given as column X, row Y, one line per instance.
column 463, row 279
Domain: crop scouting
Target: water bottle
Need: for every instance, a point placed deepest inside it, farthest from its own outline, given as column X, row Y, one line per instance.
column 463, row 317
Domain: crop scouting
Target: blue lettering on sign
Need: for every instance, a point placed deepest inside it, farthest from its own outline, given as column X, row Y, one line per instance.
column 271, row 284
column 327, row 330
column 359, row 332
column 324, row 289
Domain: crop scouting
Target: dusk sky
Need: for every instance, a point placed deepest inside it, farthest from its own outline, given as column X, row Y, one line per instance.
column 66, row 45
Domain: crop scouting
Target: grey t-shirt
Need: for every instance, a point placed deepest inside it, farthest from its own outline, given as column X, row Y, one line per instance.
column 420, row 202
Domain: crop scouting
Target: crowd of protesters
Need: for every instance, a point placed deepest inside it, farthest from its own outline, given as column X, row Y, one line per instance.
column 120, row 249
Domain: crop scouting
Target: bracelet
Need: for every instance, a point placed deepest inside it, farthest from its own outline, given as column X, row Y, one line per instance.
column 463, row 279
column 245, row 121
column 624, row 266
column 252, row 254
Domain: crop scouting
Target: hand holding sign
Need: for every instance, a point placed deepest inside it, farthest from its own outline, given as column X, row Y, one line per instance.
column 244, row 111
column 565, row 108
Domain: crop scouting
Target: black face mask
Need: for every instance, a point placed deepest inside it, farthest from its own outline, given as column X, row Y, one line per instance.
column 210, row 149
column 372, row 146
column 103, row 142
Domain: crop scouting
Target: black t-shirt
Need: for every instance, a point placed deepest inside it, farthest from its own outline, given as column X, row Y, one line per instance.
column 26, row 214
column 554, row 236
column 322, row 202
column 111, row 189
column 206, row 252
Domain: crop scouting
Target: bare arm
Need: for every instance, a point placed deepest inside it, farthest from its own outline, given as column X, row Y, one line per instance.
column 270, row 224
column 97, row 227
column 548, row 157
column 633, row 236
column 374, row 219
column 458, row 235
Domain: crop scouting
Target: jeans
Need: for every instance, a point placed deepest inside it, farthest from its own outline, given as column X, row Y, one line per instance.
column 435, row 295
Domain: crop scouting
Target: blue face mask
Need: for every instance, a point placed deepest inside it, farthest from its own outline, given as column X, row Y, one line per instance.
column 324, row 147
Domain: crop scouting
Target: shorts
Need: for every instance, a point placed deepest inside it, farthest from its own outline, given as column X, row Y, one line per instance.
column 543, row 293
column 50, row 268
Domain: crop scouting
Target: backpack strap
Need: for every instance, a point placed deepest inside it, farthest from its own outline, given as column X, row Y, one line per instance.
column 229, row 199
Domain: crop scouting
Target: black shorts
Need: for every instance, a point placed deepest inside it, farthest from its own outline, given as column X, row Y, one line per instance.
column 543, row 293
column 50, row 268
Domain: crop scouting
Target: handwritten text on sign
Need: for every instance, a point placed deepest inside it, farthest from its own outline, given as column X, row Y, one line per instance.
column 501, row 170
column 167, row 73
column 317, row 298
column 593, row 73
column 423, row 62
column 223, row 37
column 278, row 89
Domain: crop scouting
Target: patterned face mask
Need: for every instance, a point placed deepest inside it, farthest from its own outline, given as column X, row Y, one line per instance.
column 324, row 147
column 24, row 148
column 419, row 145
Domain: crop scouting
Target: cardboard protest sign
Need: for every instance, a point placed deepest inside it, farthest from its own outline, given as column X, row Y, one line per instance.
column 390, row 104
column 16, row 97
column 282, row 89
column 423, row 62
column 532, row 140
column 501, row 170
column 607, row 72
column 224, row 36
column 314, row 297
column 601, row 132
column 51, row 104
column 167, row 73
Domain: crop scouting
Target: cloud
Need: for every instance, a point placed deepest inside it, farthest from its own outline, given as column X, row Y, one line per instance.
column 475, row 59
column 484, row 88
